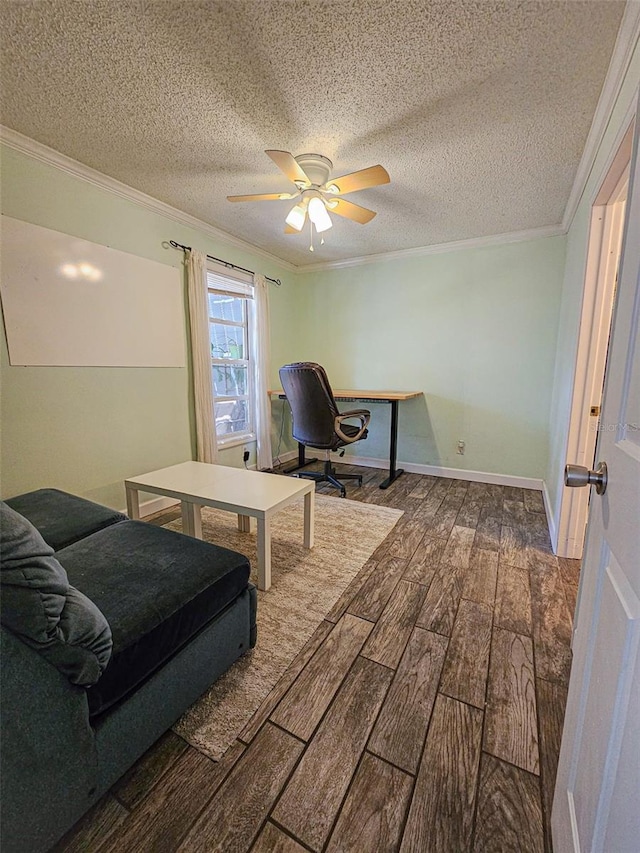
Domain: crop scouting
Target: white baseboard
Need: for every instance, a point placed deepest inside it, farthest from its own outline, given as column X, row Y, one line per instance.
column 551, row 522
column 454, row 473
column 286, row 457
column 154, row 505
column 434, row 471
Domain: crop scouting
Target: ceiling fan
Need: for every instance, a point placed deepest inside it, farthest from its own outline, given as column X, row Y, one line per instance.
column 317, row 195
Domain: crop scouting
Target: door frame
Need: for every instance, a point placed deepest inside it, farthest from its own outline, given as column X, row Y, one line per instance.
column 597, row 771
column 603, row 247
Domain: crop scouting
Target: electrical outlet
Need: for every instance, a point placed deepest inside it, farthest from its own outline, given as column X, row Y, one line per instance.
column 245, row 455
column 461, row 447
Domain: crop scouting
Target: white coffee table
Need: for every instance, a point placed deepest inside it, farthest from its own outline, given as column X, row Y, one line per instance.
column 250, row 494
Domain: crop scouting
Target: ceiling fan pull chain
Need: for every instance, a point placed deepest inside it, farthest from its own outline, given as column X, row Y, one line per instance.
column 311, row 235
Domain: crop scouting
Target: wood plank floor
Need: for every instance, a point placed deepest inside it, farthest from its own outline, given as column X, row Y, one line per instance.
column 424, row 714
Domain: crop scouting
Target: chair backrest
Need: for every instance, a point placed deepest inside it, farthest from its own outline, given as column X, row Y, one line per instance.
column 313, row 406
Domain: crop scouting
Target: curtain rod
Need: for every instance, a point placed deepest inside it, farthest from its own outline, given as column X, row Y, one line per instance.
column 227, row 264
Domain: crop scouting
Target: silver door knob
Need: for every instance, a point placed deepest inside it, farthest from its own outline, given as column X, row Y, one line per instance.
column 576, row 476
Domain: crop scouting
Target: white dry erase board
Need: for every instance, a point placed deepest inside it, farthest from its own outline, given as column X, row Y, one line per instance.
column 68, row 302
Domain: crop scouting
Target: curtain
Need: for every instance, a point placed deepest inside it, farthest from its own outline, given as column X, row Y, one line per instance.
column 260, row 337
column 206, row 444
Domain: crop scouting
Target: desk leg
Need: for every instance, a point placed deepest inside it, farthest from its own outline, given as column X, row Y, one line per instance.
column 264, row 553
column 191, row 519
column 309, row 517
column 133, row 502
column 393, row 449
column 302, row 461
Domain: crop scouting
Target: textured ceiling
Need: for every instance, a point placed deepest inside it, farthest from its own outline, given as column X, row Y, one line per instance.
column 479, row 111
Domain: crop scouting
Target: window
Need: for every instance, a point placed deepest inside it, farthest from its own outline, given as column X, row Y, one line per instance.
column 230, row 305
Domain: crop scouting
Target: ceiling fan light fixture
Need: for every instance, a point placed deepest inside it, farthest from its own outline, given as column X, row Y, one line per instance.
column 318, row 194
column 318, row 215
column 296, row 216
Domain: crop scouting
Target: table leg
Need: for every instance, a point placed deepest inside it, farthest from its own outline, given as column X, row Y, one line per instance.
column 264, row 553
column 133, row 502
column 191, row 519
column 309, row 517
column 244, row 523
column 393, row 448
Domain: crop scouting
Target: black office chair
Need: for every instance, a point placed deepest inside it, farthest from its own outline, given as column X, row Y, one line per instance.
column 317, row 421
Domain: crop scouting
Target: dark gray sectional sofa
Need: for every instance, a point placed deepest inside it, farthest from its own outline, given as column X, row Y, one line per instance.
column 138, row 622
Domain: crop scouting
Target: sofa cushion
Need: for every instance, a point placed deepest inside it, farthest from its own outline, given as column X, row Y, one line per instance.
column 39, row 605
column 157, row 589
column 62, row 518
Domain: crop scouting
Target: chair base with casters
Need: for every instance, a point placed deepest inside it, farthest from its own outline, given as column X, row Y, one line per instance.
column 330, row 475
column 317, row 422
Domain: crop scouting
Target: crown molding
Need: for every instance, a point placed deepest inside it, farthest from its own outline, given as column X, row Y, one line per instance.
column 626, row 41
column 439, row 248
column 44, row 154
column 51, row 157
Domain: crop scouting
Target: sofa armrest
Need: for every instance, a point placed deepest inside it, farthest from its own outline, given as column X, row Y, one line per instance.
column 253, row 610
column 48, row 759
column 63, row 518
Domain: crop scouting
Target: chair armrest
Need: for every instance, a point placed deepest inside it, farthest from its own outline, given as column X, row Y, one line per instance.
column 364, row 417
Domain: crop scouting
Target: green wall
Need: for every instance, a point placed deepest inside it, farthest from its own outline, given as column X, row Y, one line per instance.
column 86, row 429
column 572, row 291
column 474, row 330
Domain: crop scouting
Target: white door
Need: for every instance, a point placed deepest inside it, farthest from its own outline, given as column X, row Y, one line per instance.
column 597, row 797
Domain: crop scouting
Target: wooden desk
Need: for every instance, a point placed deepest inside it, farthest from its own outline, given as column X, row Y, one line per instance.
column 349, row 395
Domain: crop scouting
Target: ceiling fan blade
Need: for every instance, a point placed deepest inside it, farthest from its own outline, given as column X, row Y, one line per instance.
column 371, row 177
column 289, row 230
column 350, row 210
column 287, row 163
column 262, row 197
